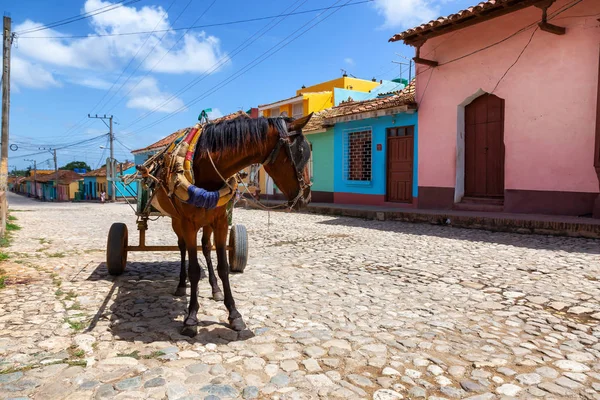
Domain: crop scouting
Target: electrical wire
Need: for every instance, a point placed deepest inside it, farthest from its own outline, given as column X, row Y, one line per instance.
column 67, row 146
column 164, row 55
column 525, row 28
column 240, row 48
column 78, row 17
column 197, row 26
column 134, row 56
column 518, row 57
column 247, row 67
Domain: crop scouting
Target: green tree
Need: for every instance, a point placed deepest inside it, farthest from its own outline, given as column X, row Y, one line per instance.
column 77, row 164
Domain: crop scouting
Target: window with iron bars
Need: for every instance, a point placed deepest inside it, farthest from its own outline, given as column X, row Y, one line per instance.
column 357, row 155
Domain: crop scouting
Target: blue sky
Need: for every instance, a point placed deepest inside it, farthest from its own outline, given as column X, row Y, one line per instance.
column 157, row 83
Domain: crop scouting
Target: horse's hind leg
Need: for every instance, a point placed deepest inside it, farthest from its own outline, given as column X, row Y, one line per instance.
column 217, row 295
column 235, row 318
column 180, row 291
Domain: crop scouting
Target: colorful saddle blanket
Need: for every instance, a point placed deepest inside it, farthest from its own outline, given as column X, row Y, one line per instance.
column 179, row 158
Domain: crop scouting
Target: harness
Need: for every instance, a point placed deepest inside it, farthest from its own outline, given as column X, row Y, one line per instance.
column 296, row 150
column 178, row 175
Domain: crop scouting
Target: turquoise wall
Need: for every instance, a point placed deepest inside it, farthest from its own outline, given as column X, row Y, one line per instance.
column 126, row 190
column 377, row 184
column 322, row 151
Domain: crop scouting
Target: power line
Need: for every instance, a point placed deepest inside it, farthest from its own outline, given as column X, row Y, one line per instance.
column 67, row 146
column 78, row 17
column 197, row 26
column 164, row 55
column 246, row 68
column 135, row 55
column 518, row 57
column 240, row 48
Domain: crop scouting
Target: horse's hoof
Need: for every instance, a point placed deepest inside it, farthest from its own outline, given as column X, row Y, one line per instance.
column 218, row 296
column 180, row 291
column 189, row 330
column 237, row 324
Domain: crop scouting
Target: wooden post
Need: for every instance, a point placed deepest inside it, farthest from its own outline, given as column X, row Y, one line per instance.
column 6, row 44
column 56, row 177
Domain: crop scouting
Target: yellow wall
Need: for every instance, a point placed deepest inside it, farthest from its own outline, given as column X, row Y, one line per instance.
column 314, row 102
column 361, row 85
column 73, row 187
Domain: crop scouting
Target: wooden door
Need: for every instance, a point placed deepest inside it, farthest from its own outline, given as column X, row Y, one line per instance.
column 400, row 152
column 484, row 147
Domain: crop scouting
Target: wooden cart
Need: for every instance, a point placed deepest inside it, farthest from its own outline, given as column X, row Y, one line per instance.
column 118, row 246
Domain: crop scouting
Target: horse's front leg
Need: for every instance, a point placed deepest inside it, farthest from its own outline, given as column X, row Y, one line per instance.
column 235, row 318
column 217, row 295
column 195, row 273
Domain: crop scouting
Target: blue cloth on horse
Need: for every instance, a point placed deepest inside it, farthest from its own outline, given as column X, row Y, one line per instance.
column 202, row 198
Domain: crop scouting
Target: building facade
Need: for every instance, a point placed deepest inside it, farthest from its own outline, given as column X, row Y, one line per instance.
column 364, row 152
column 508, row 108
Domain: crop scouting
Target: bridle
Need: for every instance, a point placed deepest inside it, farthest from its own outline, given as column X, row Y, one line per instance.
column 293, row 149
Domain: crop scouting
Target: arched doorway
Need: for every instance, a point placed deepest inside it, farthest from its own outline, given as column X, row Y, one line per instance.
column 484, row 147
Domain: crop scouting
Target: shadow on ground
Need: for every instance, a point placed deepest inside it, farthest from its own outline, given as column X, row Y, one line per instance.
column 141, row 307
column 537, row 242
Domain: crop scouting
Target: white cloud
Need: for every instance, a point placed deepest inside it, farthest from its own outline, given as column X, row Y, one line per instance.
column 215, row 113
column 26, row 74
column 146, row 95
column 91, row 82
column 195, row 52
column 406, row 13
column 349, row 61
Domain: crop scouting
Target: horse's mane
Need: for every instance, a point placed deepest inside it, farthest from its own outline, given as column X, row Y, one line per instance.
column 237, row 133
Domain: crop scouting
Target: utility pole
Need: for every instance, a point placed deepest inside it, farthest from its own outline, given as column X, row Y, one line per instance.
column 34, row 177
column 53, row 152
column 6, row 44
column 55, row 180
column 410, row 61
column 111, row 136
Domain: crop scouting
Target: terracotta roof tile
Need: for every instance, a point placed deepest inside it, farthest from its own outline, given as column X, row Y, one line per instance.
column 405, row 97
column 480, row 10
column 65, row 177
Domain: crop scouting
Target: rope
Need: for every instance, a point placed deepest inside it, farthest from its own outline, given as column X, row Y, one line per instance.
column 258, row 203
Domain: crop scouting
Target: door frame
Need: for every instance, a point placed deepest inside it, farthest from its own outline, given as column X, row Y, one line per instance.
column 412, row 167
column 459, row 186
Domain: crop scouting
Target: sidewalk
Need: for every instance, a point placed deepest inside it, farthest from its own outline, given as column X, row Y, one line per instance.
column 500, row 222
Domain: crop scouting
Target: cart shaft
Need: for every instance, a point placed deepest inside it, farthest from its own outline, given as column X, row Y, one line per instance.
column 143, row 247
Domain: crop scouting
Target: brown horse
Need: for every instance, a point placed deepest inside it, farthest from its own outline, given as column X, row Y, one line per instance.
column 233, row 145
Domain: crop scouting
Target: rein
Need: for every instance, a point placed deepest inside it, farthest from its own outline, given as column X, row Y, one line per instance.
column 283, row 141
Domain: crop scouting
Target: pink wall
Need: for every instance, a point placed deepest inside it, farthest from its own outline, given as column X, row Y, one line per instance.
column 550, row 98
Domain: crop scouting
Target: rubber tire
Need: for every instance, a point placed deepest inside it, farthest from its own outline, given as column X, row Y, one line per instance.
column 116, row 249
column 238, row 249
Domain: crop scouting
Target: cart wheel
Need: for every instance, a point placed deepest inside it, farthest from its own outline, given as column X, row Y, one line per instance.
column 238, row 248
column 116, row 249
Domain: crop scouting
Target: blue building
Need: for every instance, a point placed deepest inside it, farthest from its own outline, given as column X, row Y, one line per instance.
column 374, row 149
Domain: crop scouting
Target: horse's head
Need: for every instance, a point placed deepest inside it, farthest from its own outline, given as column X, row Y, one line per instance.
column 288, row 163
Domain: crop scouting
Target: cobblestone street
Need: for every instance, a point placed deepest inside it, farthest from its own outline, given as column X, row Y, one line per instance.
column 335, row 308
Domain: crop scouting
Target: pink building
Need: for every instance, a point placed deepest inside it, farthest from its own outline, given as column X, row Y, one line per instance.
column 508, row 110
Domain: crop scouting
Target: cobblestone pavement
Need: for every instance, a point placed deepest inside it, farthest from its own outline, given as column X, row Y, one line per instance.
column 336, row 308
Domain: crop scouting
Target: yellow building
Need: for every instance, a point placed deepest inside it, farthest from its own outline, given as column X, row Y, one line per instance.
column 310, row 99
column 314, row 98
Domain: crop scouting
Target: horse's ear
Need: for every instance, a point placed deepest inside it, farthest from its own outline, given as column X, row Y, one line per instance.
column 298, row 124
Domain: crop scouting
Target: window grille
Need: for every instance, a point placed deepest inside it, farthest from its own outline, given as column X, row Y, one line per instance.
column 357, row 154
